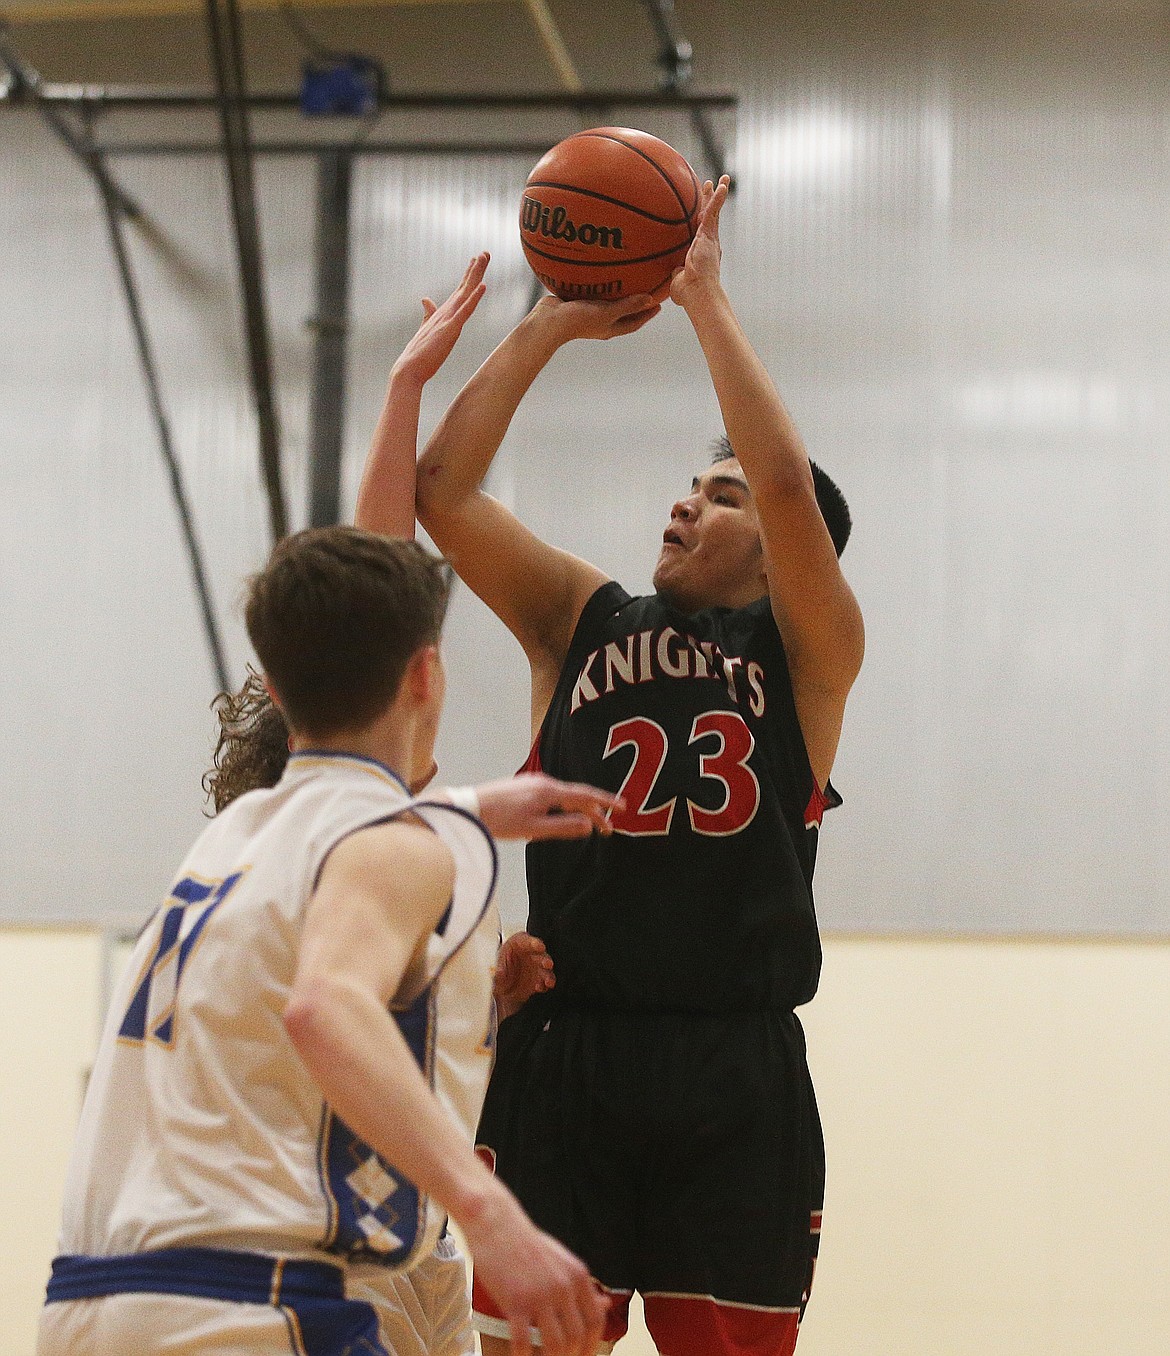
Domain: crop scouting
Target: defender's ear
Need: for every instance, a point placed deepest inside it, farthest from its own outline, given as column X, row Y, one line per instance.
column 274, row 698
column 273, row 695
column 424, row 674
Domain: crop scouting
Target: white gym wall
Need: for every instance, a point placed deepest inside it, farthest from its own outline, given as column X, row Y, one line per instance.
column 949, row 244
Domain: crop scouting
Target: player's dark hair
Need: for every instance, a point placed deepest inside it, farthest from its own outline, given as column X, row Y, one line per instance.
column 252, row 748
column 830, row 500
column 335, row 617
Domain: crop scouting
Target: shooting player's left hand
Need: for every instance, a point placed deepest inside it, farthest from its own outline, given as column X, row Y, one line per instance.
column 524, row 968
column 701, row 267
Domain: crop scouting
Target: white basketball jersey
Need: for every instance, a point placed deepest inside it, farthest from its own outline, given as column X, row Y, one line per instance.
column 201, row 1126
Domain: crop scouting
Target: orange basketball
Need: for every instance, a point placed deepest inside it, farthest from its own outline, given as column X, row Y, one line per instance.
column 608, row 213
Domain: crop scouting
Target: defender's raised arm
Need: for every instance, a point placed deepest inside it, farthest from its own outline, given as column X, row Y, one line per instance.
column 386, row 497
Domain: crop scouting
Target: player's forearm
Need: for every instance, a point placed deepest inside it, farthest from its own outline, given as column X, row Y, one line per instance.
column 461, row 449
column 814, row 606
column 386, row 498
column 358, row 1058
column 761, row 431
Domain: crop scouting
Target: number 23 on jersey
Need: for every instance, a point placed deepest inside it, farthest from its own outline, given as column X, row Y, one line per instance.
column 726, row 763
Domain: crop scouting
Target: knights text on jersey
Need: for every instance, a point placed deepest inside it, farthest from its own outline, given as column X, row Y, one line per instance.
column 201, row 1126
column 701, row 900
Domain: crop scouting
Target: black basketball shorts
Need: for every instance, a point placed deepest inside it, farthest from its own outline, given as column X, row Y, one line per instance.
column 678, row 1155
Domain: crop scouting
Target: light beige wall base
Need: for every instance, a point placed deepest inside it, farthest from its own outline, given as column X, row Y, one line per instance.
column 996, row 1115
column 997, row 1119
column 50, row 1003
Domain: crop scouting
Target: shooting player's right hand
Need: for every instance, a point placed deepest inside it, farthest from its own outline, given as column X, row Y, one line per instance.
column 567, row 320
column 537, row 1283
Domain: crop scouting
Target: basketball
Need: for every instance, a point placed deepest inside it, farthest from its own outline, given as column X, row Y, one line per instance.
column 608, row 213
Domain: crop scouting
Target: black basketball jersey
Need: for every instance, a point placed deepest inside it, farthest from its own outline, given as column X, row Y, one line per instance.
column 701, row 900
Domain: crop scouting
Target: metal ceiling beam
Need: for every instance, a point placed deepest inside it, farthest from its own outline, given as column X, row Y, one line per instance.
column 531, row 149
column 25, row 86
column 81, row 11
column 227, row 61
column 99, row 98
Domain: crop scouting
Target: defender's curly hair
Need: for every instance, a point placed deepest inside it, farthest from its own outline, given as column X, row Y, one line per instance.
column 252, row 748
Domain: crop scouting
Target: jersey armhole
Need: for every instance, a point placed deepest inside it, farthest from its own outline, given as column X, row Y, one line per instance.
column 819, row 803
column 604, row 600
column 821, row 799
column 476, row 875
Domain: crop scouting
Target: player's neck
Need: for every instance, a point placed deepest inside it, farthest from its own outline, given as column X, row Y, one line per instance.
column 389, row 740
column 732, row 598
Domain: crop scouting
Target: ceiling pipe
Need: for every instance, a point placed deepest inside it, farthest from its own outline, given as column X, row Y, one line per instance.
column 674, row 65
column 227, row 61
column 554, row 45
column 101, row 98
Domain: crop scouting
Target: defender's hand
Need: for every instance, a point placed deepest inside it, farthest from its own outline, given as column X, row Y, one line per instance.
column 524, row 968
column 535, row 805
column 434, row 339
column 537, row 1283
column 700, row 269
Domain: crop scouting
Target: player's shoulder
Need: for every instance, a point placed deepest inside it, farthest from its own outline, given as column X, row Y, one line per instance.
column 404, row 844
column 325, row 796
column 751, row 634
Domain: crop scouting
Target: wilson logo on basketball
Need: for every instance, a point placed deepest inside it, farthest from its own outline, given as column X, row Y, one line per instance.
column 554, row 224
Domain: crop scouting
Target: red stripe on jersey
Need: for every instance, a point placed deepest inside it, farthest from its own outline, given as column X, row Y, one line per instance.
column 696, row 1325
column 532, row 762
column 814, row 811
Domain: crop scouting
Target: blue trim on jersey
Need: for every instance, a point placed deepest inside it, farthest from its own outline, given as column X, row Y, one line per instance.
column 373, row 1212
column 309, row 1295
column 418, row 1029
column 491, row 889
column 376, row 1213
column 207, row 1273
